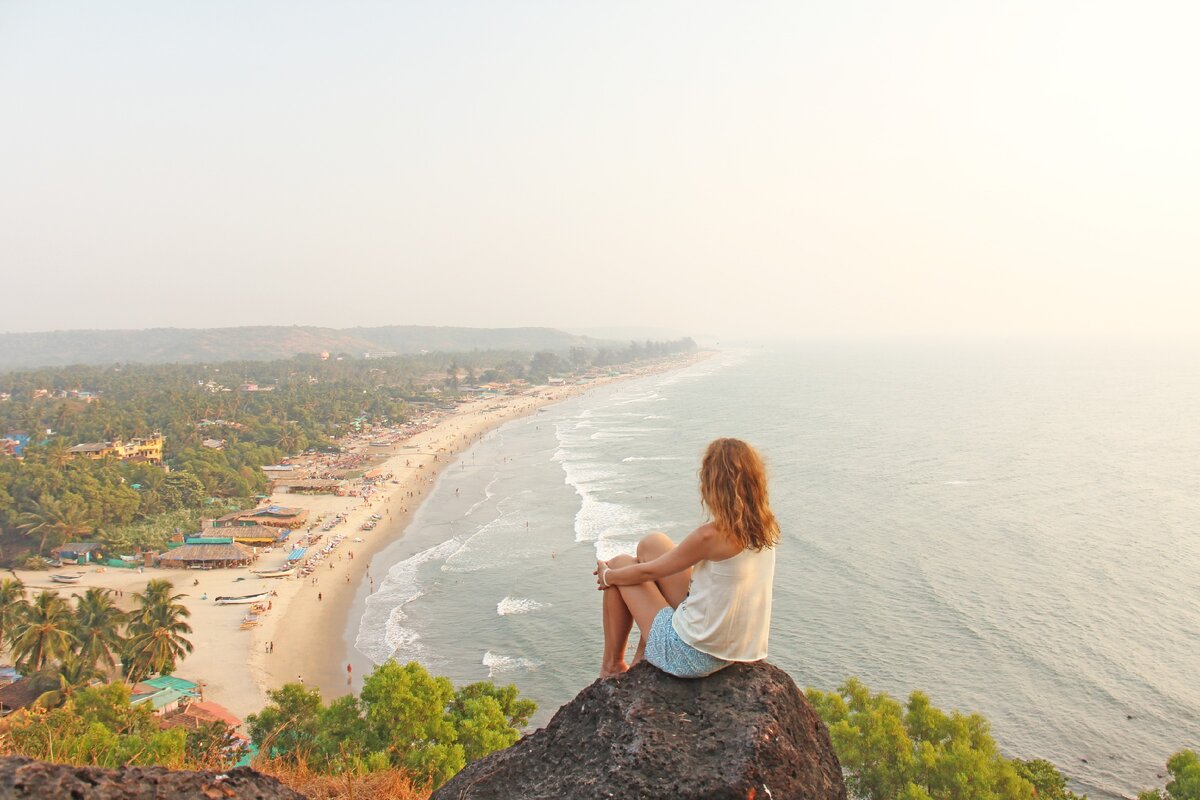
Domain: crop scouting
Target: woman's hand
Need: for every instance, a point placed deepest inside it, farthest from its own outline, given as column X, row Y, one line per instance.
column 601, row 569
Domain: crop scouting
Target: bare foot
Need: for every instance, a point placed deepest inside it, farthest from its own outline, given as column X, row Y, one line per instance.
column 611, row 670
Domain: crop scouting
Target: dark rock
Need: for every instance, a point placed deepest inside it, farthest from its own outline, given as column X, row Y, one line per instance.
column 746, row 732
column 22, row 778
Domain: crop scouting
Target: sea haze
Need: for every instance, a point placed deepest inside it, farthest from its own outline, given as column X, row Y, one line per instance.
column 1012, row 531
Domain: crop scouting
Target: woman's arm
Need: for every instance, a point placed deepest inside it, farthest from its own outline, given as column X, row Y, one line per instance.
column 698, row 546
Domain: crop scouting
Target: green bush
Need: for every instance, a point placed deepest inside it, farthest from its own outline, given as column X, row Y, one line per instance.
column 403, row 718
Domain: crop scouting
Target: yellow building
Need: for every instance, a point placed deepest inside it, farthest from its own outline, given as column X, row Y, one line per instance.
column 149, row 450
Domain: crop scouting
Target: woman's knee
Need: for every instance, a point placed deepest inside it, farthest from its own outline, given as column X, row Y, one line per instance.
column 622, row 560
column 653, row 545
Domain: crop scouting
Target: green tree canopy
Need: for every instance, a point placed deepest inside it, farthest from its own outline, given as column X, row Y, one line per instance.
column 44, row 634
column 96, row 726
column 916, row 752
column 156, row 632
column 98, row 624
column 13, row 607
column 404, row 718
column 1184, row 767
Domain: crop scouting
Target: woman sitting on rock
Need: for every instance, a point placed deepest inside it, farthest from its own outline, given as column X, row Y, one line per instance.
column 706, row 603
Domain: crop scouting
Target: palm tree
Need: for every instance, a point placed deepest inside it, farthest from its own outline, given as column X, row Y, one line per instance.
column 13, row 606
column 43, row 635
column 64, row 519
column 58, row 452
column 151, row 493
column 98, row 627
column 156, row 632
column 73, row 673
column 289, row 439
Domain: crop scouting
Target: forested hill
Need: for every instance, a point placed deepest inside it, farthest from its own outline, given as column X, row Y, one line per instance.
column 263, row 343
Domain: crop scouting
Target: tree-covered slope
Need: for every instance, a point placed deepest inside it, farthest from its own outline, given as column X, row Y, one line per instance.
column 261, row 343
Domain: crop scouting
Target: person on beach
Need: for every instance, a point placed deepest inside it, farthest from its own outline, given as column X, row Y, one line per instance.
column 705, row 603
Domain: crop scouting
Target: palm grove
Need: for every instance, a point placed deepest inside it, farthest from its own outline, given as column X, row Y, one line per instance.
column 65, row 646
column 405, row 719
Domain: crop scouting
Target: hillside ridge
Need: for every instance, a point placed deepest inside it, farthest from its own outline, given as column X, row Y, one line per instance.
column 264, row 343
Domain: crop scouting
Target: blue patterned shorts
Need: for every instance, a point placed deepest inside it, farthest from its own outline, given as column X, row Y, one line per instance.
column 674, row 656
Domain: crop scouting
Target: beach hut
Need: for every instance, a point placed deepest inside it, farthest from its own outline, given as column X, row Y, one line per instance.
column 198, row 714
column 78, row 552
column 182, row 685
column 207, row 556
column 259, row 535
column 245, row 534
column 274, row 516
column 162, row 701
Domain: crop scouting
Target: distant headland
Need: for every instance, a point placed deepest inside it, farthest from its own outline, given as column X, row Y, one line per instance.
column 266, row 343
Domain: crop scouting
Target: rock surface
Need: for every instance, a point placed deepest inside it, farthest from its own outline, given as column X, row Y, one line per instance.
column 746, row 732
column 24, row 778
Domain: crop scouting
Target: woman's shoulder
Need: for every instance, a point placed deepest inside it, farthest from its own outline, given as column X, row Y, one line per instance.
column 717, row 544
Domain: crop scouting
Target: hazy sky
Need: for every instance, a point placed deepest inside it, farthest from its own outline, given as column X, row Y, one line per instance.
column 810, row 168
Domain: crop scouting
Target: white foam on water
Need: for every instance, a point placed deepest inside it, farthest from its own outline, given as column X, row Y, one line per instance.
column 518, row 605
column 645, row 397
column 610, row 548
column 599, row 519
column 478, row 551
column 655, row 399
column 586, row 473
column 609, row 436
column 497, row 663
column 381, row 634
column 488, row 494
column 630, row 459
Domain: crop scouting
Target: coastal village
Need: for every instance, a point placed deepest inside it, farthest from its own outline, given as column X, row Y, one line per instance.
column 270, row 588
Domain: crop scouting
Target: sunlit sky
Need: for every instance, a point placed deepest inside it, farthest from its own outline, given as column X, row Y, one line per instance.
column 815, row 169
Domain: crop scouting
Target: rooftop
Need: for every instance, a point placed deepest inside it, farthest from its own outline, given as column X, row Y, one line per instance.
column 173, row 682
column 209, row 552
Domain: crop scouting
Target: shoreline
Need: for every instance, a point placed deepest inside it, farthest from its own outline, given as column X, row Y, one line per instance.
column 338, row 618
column 310, row 622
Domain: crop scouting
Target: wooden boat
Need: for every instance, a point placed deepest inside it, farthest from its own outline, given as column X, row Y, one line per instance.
column 282, row 572
column 245, row 599
column 66, row 577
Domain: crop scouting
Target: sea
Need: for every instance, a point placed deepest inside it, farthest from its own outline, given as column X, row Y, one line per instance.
column 1012, row 529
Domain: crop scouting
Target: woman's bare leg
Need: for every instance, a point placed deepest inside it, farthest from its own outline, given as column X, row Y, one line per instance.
column 674, row 588
column 623, row 605
column 618, row 622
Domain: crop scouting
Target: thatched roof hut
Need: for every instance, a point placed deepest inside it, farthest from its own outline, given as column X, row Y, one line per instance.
column 223, row 554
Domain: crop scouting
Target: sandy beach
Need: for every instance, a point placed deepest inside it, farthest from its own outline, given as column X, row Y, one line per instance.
column 302, row 635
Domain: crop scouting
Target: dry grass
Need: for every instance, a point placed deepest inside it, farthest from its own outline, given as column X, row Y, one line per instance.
column 392, row 784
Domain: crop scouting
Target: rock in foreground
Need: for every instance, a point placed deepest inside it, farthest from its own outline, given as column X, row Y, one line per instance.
column 22, row 778
column 746, row 733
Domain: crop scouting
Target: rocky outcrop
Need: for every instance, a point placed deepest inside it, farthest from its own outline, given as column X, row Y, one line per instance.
column 746, row 732
column 22, row 778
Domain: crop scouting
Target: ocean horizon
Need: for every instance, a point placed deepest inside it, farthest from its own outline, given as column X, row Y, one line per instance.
column 1010, row 530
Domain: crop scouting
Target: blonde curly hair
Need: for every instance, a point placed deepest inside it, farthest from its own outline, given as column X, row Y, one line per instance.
column 733, row 488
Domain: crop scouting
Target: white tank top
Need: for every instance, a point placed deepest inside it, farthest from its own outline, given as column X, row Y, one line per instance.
column 727, row 612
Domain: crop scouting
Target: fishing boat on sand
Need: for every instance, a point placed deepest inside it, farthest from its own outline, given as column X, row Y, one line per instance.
column 242, row 599
column 282, row 572
column 66, row 577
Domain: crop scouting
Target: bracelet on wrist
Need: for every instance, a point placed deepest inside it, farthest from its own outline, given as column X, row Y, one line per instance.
column 604, row 575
